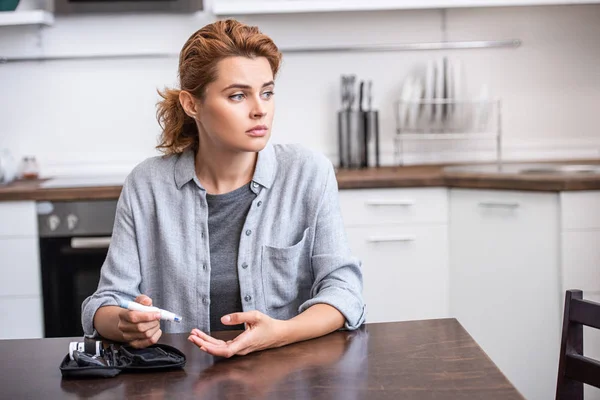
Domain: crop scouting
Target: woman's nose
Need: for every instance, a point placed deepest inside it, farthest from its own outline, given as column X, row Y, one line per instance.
column 258, row 110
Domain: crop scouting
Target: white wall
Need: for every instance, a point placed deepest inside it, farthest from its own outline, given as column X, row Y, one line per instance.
column 98, row 115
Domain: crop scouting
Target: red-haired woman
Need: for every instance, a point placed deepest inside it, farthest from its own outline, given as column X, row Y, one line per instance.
column 226, row 229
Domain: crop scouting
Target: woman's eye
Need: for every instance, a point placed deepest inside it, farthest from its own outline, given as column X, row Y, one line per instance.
column 268, row 95
column 237, row 97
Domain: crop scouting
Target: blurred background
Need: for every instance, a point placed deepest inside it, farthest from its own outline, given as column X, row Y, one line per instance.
column 508, row 89
column 81, row 114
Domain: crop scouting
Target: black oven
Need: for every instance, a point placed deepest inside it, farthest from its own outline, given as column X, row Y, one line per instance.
column 74, row 239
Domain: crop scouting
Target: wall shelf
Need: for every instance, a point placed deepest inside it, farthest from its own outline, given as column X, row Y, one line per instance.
column 246, row 7
column 30, row 17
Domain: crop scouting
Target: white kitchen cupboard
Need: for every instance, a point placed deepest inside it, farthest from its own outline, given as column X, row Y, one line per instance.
column 28, row 17
column 580, row 259
column 512, row 256
column 504, row 281
column 400, row 235
column 245, row 7
column 21, row 314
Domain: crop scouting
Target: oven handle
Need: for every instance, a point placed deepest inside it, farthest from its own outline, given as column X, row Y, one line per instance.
column 90, row 242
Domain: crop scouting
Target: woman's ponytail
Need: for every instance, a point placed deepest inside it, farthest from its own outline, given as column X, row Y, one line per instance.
column 179, row 130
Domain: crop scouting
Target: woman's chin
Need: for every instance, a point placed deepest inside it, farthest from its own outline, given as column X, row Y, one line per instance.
column 254, row 144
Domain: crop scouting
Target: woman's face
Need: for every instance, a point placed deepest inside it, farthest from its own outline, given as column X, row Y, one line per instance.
column 237, row 111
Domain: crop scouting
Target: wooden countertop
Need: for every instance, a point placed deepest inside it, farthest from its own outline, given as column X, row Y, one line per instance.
column 432, row 359
column 384, row 177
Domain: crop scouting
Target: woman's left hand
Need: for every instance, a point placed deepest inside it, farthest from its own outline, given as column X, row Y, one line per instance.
column 262, row 332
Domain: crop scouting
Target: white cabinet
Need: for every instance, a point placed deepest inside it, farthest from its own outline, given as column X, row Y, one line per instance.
column 580, row 259
column 504, row 281
column 405, row 271
column 233, row 7
column 400, row 235
column 21, row 317
column 21, row 313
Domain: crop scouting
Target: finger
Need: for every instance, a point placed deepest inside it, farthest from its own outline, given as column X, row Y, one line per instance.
column 147, row 342
column 140, row 335
column 250, row 317
column 242, row 344
column 206, row 337
column 140, row 327
column 197, row 341
column 227, row 350
column 135, row 317
column 144, row 300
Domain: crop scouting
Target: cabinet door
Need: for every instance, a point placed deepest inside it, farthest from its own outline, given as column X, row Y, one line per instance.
column 504, row 280
column 581, row 261
column 19, row 267
column 18, row 218
column 405, row 271
column 21, row 317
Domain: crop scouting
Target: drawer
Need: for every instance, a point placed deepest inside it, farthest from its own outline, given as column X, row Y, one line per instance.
column 581, row 261
column 21, row 317
column 394, row 206
column 405, row 271
column 18, row 218
column 580, row 210
column 19, row 266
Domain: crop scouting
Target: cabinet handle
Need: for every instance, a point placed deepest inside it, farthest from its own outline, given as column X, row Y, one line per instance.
column 492, row 204
column 401, row 203
column 385, row 239
column 90, row 243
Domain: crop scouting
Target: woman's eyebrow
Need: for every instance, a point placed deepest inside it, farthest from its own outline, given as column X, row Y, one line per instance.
column 242, row 86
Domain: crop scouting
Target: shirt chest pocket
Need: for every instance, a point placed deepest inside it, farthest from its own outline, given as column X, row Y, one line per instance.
column 286, row 274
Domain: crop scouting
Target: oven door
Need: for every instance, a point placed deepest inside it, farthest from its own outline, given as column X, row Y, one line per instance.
column 70, row 273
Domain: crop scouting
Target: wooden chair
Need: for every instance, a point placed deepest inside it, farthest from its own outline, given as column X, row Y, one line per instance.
column 574, row 369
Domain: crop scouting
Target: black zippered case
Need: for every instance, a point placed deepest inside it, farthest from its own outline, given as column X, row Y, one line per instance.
column 119, row 358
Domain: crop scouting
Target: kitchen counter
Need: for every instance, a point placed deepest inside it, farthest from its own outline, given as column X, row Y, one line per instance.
column 31, row 190
column 479, row 176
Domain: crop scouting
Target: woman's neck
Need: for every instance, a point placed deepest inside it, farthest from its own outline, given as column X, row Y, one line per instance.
column 222, row 171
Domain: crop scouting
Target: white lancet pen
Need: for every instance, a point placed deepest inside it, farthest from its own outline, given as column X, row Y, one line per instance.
column 164, row 314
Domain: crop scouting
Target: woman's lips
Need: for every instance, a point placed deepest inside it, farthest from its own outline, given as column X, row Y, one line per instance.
column 257, row 132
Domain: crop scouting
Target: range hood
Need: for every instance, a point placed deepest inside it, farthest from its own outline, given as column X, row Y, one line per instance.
column 126, row 6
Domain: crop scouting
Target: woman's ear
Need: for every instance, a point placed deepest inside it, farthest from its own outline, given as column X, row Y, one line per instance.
column 188, row 102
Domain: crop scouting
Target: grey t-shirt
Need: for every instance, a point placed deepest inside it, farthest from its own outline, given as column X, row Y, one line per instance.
column 226, row 216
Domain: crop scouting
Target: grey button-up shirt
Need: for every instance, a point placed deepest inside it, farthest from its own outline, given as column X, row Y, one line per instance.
column 293, row 251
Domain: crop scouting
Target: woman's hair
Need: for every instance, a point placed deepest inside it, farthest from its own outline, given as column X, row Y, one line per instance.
column 198, row 67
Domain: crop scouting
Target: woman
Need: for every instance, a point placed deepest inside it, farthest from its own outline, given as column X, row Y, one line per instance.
column 227, row 229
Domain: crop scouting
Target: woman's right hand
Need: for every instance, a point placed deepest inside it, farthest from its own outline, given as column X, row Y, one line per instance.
column 139, row 328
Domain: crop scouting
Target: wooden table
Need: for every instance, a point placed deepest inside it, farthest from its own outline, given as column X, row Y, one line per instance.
column 433, row 359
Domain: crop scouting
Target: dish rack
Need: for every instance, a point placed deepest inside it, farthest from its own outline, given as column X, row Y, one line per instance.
column 447, row 120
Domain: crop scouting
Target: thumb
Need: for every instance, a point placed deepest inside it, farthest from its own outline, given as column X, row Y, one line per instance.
column 249, row 317
column 143, row 300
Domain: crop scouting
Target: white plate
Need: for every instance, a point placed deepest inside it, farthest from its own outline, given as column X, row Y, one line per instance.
column 429, row 89
column 439, row 90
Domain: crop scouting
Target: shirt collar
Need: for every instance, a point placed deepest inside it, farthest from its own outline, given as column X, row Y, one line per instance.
column 264, row 173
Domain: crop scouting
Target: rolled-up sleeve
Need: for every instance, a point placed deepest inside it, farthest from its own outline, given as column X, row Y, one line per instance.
column 338, row 276
column 120, row 275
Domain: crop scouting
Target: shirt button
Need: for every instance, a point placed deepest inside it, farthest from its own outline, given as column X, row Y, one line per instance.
column 205, row 300
column 254, row 184
column 248, row 297
column 259, row 203
column 204, row 266
column 248, row 232
column 244, row 265
column 202, row 234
